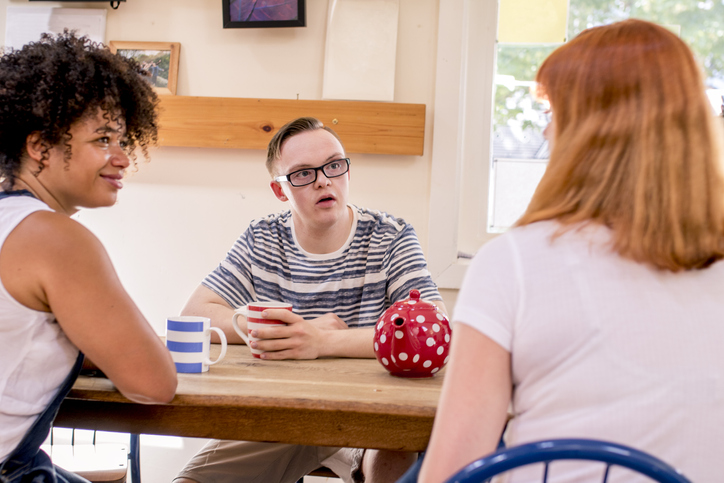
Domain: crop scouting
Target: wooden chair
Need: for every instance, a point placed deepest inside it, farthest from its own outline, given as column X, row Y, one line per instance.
column 612, row 454
column 94, row 461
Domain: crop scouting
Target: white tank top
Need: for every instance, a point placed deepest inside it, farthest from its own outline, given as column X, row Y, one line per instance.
column 35, row 354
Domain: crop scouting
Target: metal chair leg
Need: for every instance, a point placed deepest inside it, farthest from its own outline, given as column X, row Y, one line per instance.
column 135, row 456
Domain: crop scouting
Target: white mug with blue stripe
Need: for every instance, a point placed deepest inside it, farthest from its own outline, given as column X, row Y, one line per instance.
column 188, row 339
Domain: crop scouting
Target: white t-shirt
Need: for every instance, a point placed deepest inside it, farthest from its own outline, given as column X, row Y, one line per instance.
column 35, row 354
column 603, row 347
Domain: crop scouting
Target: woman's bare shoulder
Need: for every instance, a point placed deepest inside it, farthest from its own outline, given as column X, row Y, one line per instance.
column 50, row 230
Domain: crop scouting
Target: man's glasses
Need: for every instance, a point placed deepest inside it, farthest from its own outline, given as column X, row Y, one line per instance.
column 307, row 176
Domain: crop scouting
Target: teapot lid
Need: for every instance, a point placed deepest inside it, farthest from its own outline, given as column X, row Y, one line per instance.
column 414, row 299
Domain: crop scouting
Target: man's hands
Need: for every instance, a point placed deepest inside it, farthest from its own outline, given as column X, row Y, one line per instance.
column 325, row 336
column 299, row 339
column 329, row 321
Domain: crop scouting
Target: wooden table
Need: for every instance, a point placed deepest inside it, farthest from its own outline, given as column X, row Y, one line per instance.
column 327, row 402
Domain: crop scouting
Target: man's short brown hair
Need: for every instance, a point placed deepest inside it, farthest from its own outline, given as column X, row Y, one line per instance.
column 290, row 129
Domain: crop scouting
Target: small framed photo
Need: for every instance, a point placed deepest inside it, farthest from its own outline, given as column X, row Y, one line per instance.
column 246, row 14
column 158, row 59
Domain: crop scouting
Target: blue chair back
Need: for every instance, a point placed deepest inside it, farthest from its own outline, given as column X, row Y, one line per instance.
column 611, row 454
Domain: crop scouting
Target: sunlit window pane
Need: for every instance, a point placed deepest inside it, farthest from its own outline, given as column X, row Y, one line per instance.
column 519, row 120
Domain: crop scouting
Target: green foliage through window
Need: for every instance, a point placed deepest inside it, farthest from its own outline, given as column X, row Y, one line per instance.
column 518, row 116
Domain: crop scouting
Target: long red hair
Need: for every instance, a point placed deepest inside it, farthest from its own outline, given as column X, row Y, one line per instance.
column 635, row 146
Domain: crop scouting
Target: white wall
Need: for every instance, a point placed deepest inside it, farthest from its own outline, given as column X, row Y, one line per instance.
column 178, row 214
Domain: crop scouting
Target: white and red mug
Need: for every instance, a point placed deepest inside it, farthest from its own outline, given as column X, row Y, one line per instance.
column 254, row 320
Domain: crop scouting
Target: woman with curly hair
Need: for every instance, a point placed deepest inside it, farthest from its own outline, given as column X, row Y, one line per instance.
column 601, row 314
column 71, row 115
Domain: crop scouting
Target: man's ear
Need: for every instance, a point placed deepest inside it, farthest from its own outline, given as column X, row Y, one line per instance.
column 276, row 187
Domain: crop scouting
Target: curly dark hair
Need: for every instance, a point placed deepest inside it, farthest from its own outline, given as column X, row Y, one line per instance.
column 48, row 85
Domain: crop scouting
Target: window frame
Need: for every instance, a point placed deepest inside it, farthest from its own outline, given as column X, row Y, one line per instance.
column 465, row 69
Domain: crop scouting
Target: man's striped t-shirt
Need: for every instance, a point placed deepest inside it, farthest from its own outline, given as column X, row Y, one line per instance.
column 379, row 264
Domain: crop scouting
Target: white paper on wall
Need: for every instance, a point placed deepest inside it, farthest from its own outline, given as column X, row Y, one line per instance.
column 25, row 24
column 360, row 52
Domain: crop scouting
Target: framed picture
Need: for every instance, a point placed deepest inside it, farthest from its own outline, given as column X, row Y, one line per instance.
column 159, row 59
column 245, row 14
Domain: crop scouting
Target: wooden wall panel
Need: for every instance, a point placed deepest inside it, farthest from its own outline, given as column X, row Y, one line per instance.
column 240, row 123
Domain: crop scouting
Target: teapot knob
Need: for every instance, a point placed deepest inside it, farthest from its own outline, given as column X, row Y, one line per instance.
column 415, row 295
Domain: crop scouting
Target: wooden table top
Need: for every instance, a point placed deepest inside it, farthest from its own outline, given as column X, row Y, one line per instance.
column 329, row 402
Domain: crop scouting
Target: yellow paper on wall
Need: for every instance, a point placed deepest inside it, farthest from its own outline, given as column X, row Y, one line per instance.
column 533, row 21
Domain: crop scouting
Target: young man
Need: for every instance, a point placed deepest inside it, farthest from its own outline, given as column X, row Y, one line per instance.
column 340, row 266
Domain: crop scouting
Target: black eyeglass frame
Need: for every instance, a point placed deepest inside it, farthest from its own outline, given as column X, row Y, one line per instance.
column 287, row 177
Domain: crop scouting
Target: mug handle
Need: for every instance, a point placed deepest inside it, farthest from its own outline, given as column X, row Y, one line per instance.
column 223, row 346
column 240, row 311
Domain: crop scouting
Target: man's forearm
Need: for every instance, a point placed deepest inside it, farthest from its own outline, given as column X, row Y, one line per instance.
column 220, row 316
column 356, row 343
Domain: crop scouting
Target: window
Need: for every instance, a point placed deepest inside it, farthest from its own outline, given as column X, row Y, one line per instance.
column 480, row 183
column 520, row 152
column 519, row 149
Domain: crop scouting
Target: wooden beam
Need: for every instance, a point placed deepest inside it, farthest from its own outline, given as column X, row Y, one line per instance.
column 239, row 123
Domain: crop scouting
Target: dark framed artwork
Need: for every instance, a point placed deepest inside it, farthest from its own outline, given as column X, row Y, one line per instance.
column 240, row 14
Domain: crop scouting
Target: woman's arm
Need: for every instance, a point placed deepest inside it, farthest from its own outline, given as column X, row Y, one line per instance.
column 473, row 406
column 52, row 263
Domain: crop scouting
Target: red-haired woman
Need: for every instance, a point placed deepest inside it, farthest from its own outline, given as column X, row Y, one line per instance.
column 601, row 314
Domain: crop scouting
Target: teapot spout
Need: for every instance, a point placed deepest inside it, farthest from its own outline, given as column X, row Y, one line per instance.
column 403, row 342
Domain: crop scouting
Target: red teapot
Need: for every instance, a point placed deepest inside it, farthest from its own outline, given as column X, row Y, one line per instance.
column 412, row 338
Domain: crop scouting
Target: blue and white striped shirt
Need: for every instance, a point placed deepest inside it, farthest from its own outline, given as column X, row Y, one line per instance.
column 378, row 265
